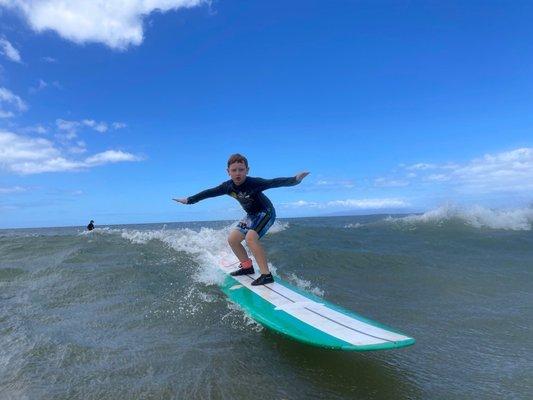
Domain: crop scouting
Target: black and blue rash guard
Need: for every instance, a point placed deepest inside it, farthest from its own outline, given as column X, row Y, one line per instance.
column 248, row 194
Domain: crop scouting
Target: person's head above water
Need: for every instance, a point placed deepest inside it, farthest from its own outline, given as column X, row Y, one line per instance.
column 92, row 222
column 238, row 168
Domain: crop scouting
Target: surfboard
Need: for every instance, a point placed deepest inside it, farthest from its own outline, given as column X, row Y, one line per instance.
column 307, row 318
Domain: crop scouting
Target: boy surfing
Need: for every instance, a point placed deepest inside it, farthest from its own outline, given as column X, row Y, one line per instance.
column 260, row 213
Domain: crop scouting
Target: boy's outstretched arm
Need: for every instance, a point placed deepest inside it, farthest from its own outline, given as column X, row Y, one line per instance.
column 213, row 192
column 279, row 182
column 299, row 177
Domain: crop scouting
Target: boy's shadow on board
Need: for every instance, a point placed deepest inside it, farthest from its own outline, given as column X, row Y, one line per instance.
column 348, row 372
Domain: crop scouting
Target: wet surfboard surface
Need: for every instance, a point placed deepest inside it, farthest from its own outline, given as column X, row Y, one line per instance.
column 307, row 318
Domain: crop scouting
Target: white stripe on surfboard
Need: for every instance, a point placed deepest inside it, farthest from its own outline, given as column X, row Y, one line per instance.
column 342, row 319
column 318, row 315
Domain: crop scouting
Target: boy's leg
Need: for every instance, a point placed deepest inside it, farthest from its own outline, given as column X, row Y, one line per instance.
column 235, row 239
column 252, row 240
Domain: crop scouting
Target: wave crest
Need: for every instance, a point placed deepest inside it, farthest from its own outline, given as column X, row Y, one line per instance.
column 477, row 216
column 208, row 246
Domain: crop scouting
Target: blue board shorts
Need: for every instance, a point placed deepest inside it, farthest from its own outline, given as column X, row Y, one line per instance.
column 260, row 222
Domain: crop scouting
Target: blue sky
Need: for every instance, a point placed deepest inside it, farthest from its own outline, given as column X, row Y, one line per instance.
column 107, row 112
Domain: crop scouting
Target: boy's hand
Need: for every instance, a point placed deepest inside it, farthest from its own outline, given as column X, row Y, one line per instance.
column 299, row 177
column 182, row 201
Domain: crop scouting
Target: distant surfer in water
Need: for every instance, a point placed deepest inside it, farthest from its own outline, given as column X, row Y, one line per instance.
column 90, row 227
column 260, row 213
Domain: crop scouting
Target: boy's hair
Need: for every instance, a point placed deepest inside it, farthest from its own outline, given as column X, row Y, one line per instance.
column 237, row 158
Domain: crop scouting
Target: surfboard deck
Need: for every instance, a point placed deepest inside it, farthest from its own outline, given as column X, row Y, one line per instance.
column 307, row 318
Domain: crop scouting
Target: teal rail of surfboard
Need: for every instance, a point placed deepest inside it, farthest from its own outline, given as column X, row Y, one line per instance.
column 308, row 318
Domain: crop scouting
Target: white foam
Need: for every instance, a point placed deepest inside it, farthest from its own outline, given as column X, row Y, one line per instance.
column 356, row 225
column 277, row 227
column 208, row 246
column 476, row 216
column 305, row 285
column 236, row 317
column 99, row 231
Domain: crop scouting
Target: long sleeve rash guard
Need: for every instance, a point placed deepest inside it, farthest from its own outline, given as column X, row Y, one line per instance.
column 248, row 194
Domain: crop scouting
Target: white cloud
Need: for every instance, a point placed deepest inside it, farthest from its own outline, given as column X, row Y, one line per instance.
column 111, row 156
column 118, row 125
column 15, row 149
column 10, row 103
column 420, row 166
column 350, row 204
column 26, row 155
column 386, row 182
column 35, row 129
column 97, row 126
column 63, row 124
column 302, row 203
column 14, row 189
column 438, row 178
column 7, row 49
column 41, row 85
column 510, row 170
column 49, row 60
column 326, row 184
column 56, row 164
column 369, row 203
column 79, row 148
column 115, row 23
column 69, row 129
column 506, row 171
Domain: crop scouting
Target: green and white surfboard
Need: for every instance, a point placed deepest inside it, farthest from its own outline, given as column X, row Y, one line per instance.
column 307, row 318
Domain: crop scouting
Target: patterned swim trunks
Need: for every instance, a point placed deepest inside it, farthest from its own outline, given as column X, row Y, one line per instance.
column 260, row 222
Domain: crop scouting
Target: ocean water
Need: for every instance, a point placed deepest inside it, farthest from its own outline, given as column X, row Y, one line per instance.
column 134, row 311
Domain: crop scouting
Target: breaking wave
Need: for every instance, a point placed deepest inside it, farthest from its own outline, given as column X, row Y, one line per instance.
column 520, row 219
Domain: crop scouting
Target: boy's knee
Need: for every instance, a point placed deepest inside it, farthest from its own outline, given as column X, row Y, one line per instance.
column 252, row 237
column 234, row 238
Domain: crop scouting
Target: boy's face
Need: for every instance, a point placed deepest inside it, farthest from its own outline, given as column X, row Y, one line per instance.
column 237, row 172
